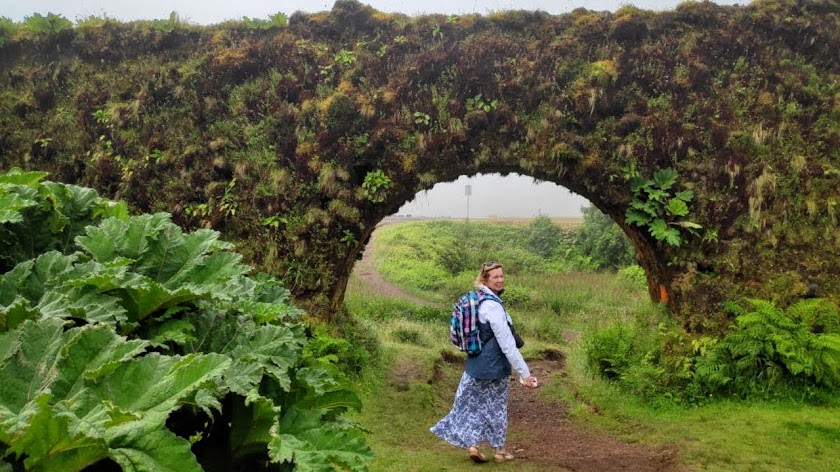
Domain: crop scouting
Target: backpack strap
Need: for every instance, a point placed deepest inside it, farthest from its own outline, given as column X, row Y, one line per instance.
column 482, row 296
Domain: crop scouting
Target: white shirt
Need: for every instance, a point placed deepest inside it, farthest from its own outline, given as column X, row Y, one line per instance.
column 490, row 311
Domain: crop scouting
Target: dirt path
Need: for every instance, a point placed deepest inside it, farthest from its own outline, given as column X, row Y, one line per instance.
column 365, row 270
column 543, row 434
column 540, row 430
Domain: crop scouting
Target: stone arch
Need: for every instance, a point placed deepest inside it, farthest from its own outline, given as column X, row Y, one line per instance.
column 295, row 140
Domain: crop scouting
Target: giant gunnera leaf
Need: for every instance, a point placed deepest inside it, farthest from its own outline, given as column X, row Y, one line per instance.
column 166, row 266
column 122, row 337
column 37, row 216
column 72, row 397
column 256, row 351
column 305, row 441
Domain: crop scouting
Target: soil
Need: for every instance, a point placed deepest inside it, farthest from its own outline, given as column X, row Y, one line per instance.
column 540, row 430
column 544, row 435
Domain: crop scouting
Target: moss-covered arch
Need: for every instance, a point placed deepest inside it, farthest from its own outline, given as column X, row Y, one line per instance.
column 295, row 140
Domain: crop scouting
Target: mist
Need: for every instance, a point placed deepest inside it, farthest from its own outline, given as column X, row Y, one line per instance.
column 494, row 195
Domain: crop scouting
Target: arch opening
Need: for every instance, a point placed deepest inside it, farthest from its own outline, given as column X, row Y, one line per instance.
column 510, row 197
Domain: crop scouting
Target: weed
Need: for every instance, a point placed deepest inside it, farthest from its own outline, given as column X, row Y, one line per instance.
column 421, row 118
column 478, row 103
column 375, row 186
column 660, row 209
column 409, row 336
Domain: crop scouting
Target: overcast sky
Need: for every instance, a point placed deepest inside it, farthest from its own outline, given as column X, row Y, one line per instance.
column 492, row 195
column 215, row 11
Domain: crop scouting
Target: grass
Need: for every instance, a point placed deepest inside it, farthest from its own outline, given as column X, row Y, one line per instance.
column 720, row 436
column 412, row 387
column 400, row 407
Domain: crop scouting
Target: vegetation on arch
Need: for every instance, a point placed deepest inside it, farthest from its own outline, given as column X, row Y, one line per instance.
column 659, row 208
column 162, row 350
column 295, row 136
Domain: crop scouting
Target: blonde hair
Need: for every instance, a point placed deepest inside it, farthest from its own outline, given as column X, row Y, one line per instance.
column 484, row 272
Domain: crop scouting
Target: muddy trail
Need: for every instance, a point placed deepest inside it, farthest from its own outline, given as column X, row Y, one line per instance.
column 541, row 432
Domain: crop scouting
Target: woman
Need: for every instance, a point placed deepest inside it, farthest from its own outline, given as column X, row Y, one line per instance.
column 480, row 410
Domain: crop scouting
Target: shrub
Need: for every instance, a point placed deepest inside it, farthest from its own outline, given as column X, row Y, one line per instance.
column 543, row 236
column 771, row 347
column 517, row 260
column 609, row 350
column 518, row 296
column 454, row 258
column 634, row 274
column 347, row 355
column 410, row 336
column 771, row 352
column 603, row 241
column 645, row 378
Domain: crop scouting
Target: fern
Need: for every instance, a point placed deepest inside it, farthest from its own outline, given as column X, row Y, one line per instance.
column 772, row 347
column 825, row 351
column 609, row 350
column 817, row 314
column 713, row 371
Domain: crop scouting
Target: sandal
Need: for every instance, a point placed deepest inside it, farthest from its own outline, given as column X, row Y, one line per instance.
column 503, row 457
column 476, row 455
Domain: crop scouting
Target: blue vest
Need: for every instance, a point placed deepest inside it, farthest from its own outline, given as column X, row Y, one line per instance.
column 491, row 362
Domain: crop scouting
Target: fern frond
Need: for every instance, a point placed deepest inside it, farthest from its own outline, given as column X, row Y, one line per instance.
column 825, row 352
column 734, row 308
column 818, row 315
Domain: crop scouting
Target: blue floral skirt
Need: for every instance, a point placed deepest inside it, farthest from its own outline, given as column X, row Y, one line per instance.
column 479, row 413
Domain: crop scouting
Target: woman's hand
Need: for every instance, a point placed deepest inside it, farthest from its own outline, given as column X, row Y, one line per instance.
column 530, row 382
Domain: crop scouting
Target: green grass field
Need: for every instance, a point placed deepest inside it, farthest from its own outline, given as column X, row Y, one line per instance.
column 401, row 401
